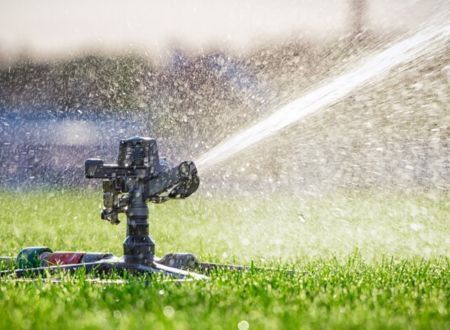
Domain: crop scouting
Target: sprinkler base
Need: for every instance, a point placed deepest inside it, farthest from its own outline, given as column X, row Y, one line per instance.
column 41, row 261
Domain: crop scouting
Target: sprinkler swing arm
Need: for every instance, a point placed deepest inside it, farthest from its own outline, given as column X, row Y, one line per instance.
column 139, row 176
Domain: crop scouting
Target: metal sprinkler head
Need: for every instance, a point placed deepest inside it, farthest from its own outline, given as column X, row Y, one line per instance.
column 139, row 176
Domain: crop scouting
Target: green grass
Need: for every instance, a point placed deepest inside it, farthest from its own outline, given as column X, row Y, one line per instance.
column 361, row 260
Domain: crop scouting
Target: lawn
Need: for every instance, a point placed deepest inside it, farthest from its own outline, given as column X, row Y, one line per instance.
column 361, row 260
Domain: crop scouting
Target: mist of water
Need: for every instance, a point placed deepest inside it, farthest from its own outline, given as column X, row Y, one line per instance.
column 371, row 69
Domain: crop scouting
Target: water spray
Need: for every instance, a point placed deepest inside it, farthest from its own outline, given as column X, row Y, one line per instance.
column 371, row 69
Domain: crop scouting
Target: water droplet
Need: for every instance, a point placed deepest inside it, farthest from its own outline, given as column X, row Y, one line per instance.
column 243, row 325
column 169, row 312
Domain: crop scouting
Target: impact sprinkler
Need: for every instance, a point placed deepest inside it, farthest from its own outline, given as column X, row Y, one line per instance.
column 140, row 176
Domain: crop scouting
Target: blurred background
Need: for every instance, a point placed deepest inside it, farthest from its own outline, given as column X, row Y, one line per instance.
column 77, row 76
